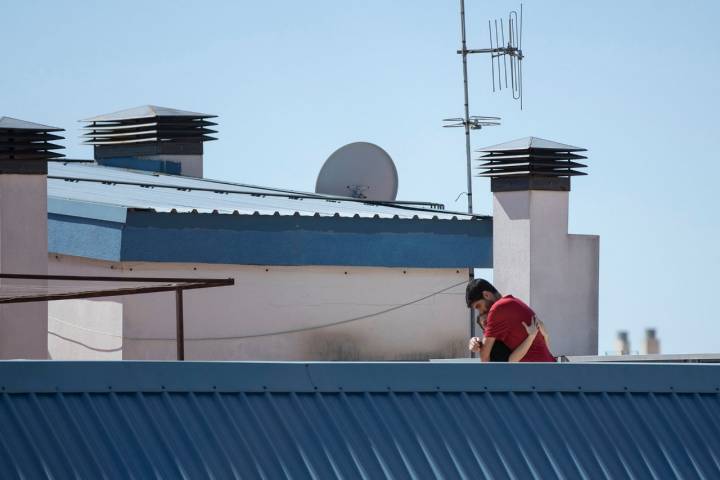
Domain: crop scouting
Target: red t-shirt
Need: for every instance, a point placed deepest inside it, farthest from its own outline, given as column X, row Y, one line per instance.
column 504, row 323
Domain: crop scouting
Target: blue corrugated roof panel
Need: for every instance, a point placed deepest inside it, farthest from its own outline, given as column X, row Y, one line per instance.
column 358, row 420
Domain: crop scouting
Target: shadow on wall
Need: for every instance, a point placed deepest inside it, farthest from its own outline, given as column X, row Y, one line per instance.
column 351, row 348
column 335, row 346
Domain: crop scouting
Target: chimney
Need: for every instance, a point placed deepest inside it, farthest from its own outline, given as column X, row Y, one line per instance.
column 152, row 138
column 534, row 257
column 622, row 343
column 652, row 344
column 25, row 148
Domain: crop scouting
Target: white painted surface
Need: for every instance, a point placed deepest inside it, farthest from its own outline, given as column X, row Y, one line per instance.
column 275, row 299
column 85, row 329
column 23, row 249
column 535, row 259
column 190, row 165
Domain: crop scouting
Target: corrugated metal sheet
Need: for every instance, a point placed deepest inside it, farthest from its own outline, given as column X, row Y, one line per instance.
column 205, row 196
column 335, row 420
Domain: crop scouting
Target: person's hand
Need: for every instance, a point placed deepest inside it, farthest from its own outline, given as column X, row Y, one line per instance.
column 541, row 327
column 533, row 328
column 475, row 344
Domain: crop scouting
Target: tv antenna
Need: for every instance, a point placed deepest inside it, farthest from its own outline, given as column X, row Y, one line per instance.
column 475, row 122
column 505, row 48
column 501, row 49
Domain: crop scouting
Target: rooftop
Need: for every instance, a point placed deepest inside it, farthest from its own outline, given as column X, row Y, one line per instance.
column 116, row 214
column 113, row 188
column 358, row 420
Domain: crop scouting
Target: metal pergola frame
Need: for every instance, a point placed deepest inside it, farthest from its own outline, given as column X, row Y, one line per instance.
column 168, row 285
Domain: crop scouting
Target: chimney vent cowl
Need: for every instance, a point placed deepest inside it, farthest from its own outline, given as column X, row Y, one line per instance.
column 25, row 147
column 530, row 163
column 149, row 138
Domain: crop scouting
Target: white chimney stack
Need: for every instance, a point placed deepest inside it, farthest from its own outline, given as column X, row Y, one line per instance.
column 24, row 151
column 622, row 343
column 534, row 257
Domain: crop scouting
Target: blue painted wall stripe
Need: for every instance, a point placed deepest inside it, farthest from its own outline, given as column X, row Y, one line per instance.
column 84, row 237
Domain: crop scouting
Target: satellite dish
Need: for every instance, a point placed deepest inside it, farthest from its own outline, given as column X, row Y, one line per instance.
column 359, row 170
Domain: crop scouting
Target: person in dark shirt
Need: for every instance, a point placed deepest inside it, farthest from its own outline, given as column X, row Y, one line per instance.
column 510, row 327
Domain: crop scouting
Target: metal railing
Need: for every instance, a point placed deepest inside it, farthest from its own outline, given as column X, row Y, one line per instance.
column 165, row 285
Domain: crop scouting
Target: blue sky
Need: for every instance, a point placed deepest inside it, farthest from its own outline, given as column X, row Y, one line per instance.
column 633, row 82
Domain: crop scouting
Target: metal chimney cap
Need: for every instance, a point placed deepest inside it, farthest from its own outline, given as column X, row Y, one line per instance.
column 146, row 111
column 9, row 123
column 531, row 143
column 530, row 163
column 148, row 130
column 25, row 147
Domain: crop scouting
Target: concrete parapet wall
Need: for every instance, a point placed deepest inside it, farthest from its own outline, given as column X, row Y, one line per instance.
column 266, row 300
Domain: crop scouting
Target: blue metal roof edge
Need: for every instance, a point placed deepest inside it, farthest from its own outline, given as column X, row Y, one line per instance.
column 275, row 222
column 273, row 240
column 95, row 211
column 30, row 376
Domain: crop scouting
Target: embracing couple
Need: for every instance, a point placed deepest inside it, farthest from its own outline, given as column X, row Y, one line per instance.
column 511, row 331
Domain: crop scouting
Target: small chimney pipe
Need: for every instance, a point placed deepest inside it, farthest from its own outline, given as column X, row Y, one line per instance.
column 622, row 343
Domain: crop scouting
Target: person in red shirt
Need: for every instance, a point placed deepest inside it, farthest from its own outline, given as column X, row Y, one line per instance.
column 507, row 320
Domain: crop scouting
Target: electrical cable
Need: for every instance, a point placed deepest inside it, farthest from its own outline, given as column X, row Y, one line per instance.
column 280, row 332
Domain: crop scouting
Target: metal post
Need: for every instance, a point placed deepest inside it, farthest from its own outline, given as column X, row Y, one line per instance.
column 471, row 272
column 179, row 325
column 467, row 107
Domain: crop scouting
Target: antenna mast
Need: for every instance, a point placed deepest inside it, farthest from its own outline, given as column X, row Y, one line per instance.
column 467, row 113
column 498, row 50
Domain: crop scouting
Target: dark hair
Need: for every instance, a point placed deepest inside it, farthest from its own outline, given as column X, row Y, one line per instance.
column 475, row 288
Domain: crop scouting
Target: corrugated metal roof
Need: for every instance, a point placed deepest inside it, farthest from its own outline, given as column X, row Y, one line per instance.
column 358, row 420
column 167, row 193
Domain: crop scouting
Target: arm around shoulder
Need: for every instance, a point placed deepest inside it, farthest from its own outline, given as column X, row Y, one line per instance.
column 486, row 349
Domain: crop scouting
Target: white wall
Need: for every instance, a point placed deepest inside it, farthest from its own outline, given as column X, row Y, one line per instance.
column 535, row 259
column 85, row 329
column 23, row 249
column 264, row 300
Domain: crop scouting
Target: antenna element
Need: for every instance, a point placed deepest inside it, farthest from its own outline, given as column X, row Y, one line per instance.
column 504, row 49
